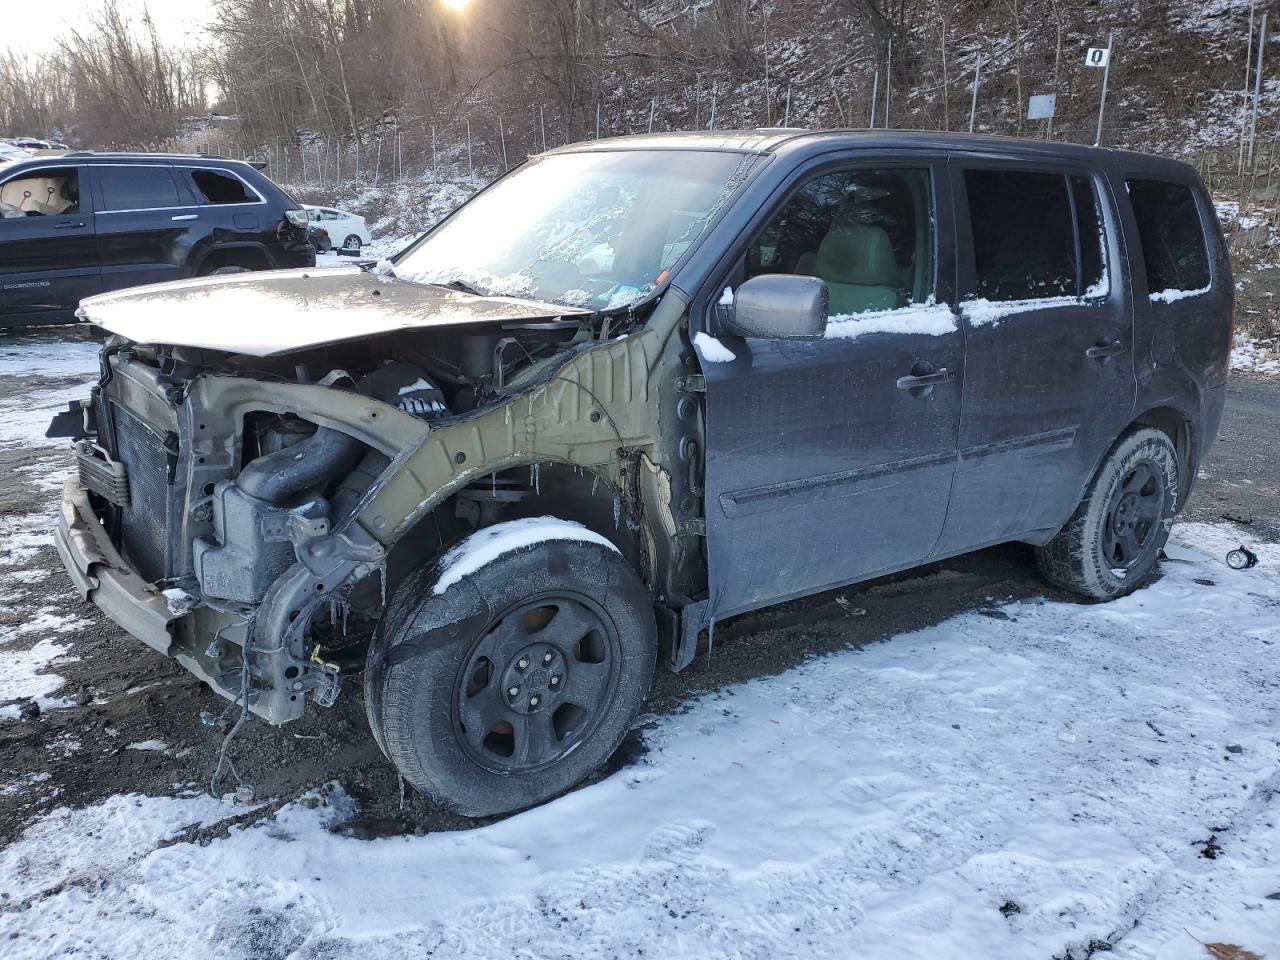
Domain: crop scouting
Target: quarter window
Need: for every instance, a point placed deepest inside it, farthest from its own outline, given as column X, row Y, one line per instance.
column 218, row 188
column 867, row 233
column 137, row 188
column 1171, row 234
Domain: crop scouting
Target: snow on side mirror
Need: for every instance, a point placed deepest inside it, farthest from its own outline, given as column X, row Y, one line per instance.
column 778, row 306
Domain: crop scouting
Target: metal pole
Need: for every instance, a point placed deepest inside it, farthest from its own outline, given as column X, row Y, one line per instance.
column 1102, row 103
column 653, row 107
column 597, row 119
column 542, row 122
column 435, row 158
column 1244, row 93
column 875, row 96
column 715, row 89
column 502, row 135
column 786, row 116
column 1257, row 85
column 973, row 104
column 888, row 83
column 471, row 168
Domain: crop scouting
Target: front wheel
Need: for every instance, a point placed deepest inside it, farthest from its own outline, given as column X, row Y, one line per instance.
column 499, row 689
column 1110, row 545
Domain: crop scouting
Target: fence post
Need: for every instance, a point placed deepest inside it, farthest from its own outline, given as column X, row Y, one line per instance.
column 888, row 83
column 1257, row 85
column 973, row 104
column 1244, row 93
column 1102, row 103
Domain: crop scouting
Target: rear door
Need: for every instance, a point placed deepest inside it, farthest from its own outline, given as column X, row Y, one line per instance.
column 143, row 222
column 1048, row 326
column 825, row 463
column 48, row 259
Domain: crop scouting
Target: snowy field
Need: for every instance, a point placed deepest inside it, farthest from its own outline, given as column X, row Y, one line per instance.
column 1029, row 780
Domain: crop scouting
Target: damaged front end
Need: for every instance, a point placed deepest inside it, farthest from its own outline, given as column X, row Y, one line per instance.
column 248, row 515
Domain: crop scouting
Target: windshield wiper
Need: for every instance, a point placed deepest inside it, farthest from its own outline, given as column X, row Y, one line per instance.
column 463, row 287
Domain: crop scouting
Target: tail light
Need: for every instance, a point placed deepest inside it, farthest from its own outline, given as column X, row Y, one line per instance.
column 297, row 217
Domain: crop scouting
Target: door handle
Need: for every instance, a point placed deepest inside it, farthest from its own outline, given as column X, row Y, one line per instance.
column 941, row 375
column 1101, row 351
column 69, row 226
column 186, row 216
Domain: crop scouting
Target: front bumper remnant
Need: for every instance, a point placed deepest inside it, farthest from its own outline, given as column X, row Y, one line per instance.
column 101, row 575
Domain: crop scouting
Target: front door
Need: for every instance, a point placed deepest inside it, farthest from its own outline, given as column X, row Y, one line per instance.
column 831, row 460
column 48, row 260
column 1049, row 382
column 144, row 224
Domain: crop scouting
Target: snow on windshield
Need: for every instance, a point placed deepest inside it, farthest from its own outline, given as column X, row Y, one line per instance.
column 597, row 229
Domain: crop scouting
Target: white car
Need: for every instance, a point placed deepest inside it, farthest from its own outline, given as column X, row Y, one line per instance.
column 346, row 230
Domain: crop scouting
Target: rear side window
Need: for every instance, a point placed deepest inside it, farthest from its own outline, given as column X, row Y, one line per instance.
column 1172, row 237
column 137, row 188
column 1035, row 235
column 218, row 188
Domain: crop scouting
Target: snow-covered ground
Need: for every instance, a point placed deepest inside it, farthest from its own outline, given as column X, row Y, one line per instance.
column 1015, row 782
column 1256, row 356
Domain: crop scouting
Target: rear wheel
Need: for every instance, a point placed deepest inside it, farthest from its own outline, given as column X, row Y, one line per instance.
column 515, row 682
column 1110, row 545
column 351, row 243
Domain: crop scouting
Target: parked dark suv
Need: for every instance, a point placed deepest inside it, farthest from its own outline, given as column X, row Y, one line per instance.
column 633, row 388
column 86, row 223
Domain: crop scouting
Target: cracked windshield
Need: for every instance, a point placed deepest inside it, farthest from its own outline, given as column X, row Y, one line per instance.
column 597, row 230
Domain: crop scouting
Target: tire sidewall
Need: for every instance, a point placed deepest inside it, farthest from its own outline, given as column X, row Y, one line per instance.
column 1146, row 444
column 419, row 650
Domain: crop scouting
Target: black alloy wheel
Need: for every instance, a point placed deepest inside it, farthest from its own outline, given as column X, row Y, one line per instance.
column 536, row 683
column 1136, row 506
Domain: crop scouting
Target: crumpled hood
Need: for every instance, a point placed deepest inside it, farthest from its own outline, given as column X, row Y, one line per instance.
column 281, row 311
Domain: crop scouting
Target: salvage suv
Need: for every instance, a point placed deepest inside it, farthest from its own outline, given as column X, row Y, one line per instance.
column 633, row 388
column 86, row 223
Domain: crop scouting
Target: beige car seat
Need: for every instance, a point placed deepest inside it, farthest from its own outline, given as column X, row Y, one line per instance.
column 856, row 260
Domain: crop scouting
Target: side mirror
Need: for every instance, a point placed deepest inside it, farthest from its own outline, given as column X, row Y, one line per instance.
column 779, row 306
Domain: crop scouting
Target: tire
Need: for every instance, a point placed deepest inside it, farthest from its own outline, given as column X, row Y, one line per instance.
column 517, row 681
column 352, row 243
column 1110, row 545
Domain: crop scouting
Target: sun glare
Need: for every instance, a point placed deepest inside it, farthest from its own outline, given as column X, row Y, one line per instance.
column 455, row 4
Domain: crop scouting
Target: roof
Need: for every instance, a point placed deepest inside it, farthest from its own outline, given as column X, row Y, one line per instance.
column 80, row 156
column 787, row 139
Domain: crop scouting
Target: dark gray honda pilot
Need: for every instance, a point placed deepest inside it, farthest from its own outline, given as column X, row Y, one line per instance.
column 633, row 388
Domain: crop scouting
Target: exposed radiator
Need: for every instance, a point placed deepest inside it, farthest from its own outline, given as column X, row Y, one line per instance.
column 144, row 533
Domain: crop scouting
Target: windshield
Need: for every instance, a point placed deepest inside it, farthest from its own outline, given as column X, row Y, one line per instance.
column 596, row 230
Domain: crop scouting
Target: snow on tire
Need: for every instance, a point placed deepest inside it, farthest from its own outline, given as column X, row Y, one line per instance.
column 517, row 679
column 1111, row 543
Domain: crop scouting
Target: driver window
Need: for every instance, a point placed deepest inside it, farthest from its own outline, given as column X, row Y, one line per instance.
column 867, row 233
column 41, row 193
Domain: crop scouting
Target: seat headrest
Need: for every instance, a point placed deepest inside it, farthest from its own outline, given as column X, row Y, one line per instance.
column 860, row 253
